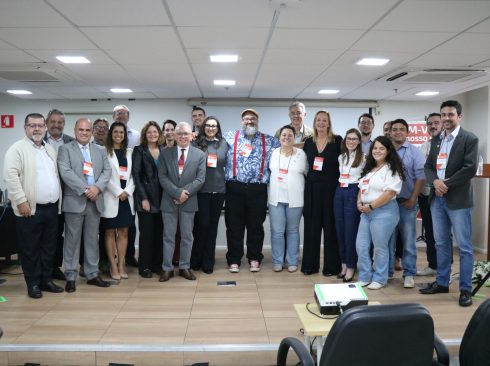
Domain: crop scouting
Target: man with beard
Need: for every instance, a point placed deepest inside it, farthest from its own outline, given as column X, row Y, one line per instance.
column 365, row 124
column 246, row 176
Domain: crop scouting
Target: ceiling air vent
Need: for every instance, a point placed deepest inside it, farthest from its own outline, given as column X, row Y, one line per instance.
column 435, row 76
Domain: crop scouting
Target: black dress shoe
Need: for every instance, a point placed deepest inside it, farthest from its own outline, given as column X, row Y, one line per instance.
column 58, row 275
column 165, row 276
column 329, row 274
column 70, row 286
column 187, row 274
column 34, row 292
column 99, row 282
column 131, row 261
column 50, row 286
column 465, row 298
column 308, row 272
column 207, row 270
column 434, row 288
column 146, row 273
column 195, row 268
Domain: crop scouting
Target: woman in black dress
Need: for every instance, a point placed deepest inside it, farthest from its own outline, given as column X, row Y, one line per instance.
column 322, row 151
column 148, row 195
column 118, row 213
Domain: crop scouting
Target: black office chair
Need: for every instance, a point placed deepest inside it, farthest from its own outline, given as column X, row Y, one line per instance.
column 378, row 335
column 475, row 345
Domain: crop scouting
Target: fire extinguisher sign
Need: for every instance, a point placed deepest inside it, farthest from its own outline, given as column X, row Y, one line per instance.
column 7, row 120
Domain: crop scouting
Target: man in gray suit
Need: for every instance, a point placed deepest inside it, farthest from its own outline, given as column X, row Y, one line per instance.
column 85, row 171
column 55, row 122
column 181, row 171
column 450, row 166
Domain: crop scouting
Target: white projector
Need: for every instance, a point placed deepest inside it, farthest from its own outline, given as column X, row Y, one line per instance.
column 332, row 298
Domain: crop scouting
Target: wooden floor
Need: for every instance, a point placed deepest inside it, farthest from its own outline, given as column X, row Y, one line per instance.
column 258, row 310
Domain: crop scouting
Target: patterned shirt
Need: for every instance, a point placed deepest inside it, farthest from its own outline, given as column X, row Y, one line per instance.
column 248, row 167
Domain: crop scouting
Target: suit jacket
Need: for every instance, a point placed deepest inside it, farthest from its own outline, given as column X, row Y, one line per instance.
column 461, row 168
column 66, row 138
column 145, row 177
column 70, row 167
column 113, row 189
column 192, row 178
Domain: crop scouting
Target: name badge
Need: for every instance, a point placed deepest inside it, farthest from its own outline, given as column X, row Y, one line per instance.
column 88, row 168
column 365, row 186
column 247, row 149
column 123, row 172
column 212, row 161
column 283, row 175
column 344, row 180
column 318, row 163
column 441, row 161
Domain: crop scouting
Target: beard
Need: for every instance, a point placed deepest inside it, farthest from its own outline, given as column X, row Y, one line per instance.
column 250, row 130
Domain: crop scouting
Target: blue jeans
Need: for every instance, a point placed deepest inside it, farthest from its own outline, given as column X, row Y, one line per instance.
column 408, row 232
column 377, row 227
column 443, row 219
column 285, row 220
column 347, row 218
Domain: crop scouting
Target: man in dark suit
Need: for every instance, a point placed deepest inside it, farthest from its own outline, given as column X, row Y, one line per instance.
column 55, row 123
column 181, row 171
column 450, row 166
column 85, row 171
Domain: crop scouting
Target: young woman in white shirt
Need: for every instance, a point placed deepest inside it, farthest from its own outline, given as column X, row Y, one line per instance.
column 380, row 182
column 347, row 216
column 288, row 166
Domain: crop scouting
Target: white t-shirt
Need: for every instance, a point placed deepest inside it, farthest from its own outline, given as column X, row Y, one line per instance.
column 346, row 168
column 375, row 183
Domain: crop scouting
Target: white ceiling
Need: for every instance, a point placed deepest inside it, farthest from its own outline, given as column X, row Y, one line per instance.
column 161, row 48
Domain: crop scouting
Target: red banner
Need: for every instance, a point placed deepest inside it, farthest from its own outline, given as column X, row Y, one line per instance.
column 417, row 133
column 7, row 120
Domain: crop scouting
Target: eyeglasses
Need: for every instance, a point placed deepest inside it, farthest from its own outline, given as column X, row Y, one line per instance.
column 251, row 119
column 101, row 128
column 34, row 126
column 298, row 113
column 351, row 139
column 211, row 126
column 365, row 123
column 182, row 134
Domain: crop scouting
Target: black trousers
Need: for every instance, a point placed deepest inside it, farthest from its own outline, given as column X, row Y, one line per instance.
column 318, row 216
column 131, row 251
column 246, row 207
column 37, row 243
column 428, row 231
column 150, row 255
column 206, row 229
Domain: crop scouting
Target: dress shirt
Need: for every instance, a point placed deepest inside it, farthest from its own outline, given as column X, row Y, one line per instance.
column 445, row 147
column 55, row 143
column 413, row 163
column 179, row 152
column 47, row 184
column 365, row 146
column 133, row 138
column 346, row 168
column 248, row 168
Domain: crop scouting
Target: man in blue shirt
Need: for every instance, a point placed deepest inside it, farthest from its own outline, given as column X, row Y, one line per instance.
column 413, row 163
column 247, row 175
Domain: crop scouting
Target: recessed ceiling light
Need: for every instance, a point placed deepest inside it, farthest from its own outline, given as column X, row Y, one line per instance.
column 427, row 93
column 224, row 82
column 328, row 91
column 223, row 58
column 19, row 92
column 121, row 90
column 73, row 59
column 373, row 61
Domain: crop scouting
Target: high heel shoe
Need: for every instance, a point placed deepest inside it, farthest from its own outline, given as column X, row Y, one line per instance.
column 124, row 275
column 341, row 275
column 349, row 279
column 116, row 277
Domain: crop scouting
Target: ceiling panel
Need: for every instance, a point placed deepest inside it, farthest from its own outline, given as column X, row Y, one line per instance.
column 46, row 38
column 221, row 37
column 324, row 39
column 10, row 57
column 28, row 13
column 113, row 12
column 304, row 57
column 467, row 43
column 245, row 56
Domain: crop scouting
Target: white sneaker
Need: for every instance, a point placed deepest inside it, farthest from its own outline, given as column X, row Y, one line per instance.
column 363, row 283
column 427, row 271
column 254, row 266
column 409, row 282
column 276, row 268
column 234, row 268
column 292, row 269
column 375, row 286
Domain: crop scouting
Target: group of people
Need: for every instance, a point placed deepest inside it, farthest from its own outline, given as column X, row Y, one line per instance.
column 361, row 193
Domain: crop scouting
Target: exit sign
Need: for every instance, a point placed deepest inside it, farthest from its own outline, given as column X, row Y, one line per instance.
column 7, row 120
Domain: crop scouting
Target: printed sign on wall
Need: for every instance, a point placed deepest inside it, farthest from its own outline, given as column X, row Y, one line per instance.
column 417, row 133
column 7, row 120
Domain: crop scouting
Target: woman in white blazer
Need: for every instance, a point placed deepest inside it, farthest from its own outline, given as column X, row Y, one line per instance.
column 288, row 166
column 118, row 214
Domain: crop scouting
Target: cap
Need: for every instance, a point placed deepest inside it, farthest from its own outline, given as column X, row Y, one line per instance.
column 250, row 110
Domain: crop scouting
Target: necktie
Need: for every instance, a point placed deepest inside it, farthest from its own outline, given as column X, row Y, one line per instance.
column 86, row 157
column 181, row 161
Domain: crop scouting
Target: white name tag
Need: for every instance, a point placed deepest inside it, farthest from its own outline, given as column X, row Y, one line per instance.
column 212, row 161
column 318, row 163
column 283, row 175
column 441, row 161
column 247, row 149
column 123, row 173
column 344, row 180
column 88, row 168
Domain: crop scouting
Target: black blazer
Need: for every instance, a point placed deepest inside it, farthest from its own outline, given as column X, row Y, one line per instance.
column 145, row 176
column 461, row 168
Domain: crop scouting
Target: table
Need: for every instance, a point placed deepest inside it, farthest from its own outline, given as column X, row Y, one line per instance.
column 315, row 327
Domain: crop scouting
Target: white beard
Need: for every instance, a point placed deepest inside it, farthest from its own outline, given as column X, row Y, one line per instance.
column 250, row 131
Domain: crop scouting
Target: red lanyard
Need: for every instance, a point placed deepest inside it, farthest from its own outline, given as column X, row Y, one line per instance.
column 262, row 164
